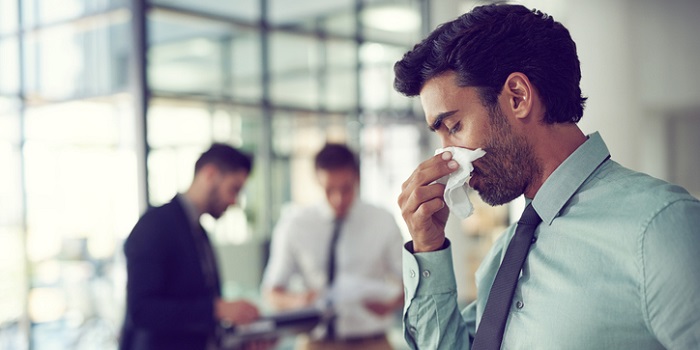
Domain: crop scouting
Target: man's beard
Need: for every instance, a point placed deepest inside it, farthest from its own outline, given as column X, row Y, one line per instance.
column 509, row 165
column 213, row 207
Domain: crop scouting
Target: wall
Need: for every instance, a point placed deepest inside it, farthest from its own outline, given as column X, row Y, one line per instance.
column 638, row 61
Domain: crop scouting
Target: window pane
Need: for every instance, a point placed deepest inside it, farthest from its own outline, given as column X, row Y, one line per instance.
column 10, row 179
column 13, row 286
column 341, row 23
column 295, row 61
column 377, row 80
column 81, row 190
column 9, row 68
column 172, row 123
column 83, row 122
column 190, row 54
column 395, row 22
column 247, row 10
column 42, row 12
column 340, row 91
column 77, row 60
column 246, row 66
column 10, row 131
column 8, row 16
column 309, row 13
column 13, row 281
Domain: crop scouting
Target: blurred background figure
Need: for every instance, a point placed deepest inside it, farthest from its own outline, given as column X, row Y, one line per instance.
column 173, row 287
column 346, row 254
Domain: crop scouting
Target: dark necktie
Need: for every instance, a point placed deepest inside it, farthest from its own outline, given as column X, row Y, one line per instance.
column 337, row 223
column 493, row 322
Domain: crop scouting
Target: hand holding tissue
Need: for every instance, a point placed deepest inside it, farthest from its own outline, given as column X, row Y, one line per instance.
column 457, row 183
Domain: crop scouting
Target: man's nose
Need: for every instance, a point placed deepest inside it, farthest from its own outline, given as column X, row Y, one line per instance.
column 446, row 143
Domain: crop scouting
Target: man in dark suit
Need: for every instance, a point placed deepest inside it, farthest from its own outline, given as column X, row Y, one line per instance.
column 173, row 289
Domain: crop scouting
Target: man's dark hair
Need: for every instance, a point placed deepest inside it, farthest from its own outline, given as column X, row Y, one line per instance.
column 334, row 156
column 489, row 43
column 225, row 158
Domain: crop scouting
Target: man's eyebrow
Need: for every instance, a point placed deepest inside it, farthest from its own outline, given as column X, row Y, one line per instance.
column 438, row 121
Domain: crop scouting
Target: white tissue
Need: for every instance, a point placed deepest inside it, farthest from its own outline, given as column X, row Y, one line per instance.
column 457, row 183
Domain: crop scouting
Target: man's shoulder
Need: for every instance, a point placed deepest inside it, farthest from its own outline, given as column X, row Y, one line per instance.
column 632, row 190
column 635, row 182
column 163, row 210
column 159, row 218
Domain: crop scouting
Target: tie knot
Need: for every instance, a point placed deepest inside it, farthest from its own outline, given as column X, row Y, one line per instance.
column 530, row 216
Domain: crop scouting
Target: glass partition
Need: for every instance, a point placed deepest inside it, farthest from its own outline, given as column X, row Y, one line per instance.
column 78, row 59
column 80, row 160
column 295, row 62
column 8, row 16
column 244, row 68
column 339, row 78
column 13, row 276
column 196, row 55
column 45, row 12
column 81, row 203
column 396, row 22
column 334, row 16
column 9, row 68
column 377, row 76
column 247, row 10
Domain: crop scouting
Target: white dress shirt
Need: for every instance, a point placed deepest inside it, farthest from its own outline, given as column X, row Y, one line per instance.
column 368, row 261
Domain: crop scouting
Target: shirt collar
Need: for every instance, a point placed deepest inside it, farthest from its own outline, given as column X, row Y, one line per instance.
column 192, row 213
column 566, row 179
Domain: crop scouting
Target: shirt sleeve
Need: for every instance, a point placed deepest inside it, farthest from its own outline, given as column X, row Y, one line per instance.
column 432, row 319
column 281, row 265
column 671, row 275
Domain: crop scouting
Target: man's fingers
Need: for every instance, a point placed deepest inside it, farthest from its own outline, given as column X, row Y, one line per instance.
column 427, row 209
column 409, row 201
column 430, row 170
column 421, row 220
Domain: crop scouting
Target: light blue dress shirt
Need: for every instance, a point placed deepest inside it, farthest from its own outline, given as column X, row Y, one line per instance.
column 615, row 265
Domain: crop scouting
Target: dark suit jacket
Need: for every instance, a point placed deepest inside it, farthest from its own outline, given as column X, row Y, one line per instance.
column 169, row 301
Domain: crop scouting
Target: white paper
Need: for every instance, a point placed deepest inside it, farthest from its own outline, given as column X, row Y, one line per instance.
column 457, row 183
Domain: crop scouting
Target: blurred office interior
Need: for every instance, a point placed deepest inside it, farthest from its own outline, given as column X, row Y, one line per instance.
column 105, row 105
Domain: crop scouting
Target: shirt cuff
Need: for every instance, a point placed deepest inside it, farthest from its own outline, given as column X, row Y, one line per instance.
column 428, row 273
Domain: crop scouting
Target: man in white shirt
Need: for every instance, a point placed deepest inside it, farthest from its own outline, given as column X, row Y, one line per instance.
column 346, row 253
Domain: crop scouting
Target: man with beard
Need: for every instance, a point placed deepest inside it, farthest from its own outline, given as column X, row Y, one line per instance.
column 173, row 289
column 347, row 255
column 610, row 259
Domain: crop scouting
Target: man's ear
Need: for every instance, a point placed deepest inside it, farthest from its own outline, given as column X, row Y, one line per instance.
column 519, row 94
column 209, row 171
